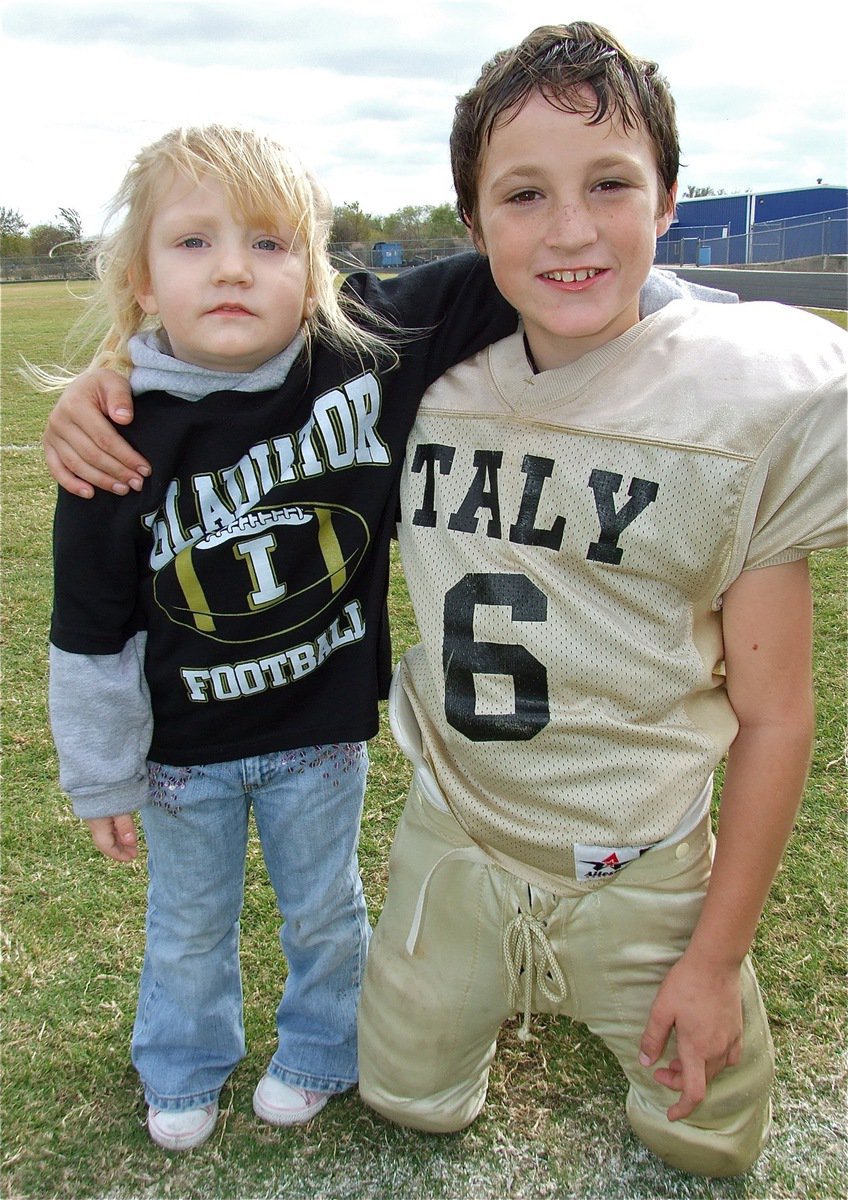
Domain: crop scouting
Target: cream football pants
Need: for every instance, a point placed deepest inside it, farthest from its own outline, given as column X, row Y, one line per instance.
column 438, row 986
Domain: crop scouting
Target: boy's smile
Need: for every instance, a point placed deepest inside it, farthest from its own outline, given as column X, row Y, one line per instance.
column 230, row 294
column 568, row 215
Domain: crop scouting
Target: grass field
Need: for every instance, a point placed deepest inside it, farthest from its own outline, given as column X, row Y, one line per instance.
column 73, row 1117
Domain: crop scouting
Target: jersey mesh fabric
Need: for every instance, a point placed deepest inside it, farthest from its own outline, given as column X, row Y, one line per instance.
column 567, row 538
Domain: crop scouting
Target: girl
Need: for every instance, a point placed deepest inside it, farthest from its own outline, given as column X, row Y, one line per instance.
column 219, row 640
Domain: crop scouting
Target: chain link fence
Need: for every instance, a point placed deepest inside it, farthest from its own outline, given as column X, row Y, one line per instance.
column 345, row 256
column 824, row 237
column 794, row 238
column 44, row 266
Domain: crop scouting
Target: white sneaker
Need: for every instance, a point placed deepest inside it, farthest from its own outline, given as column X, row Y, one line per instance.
column 280, row 1103
column 181, row 1130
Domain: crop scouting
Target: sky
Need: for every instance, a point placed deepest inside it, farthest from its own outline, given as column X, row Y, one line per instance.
column 364, row 90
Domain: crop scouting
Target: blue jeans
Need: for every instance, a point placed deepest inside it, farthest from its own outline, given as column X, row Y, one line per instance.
column 189, row 1033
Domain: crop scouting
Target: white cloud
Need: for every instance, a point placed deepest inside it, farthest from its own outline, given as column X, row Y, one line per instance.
column 365, row 92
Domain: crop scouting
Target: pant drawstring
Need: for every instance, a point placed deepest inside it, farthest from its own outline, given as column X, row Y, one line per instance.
column 528, row 951
column 470, row 854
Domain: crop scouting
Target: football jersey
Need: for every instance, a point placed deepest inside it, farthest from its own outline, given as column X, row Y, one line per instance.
column 255, row 558
column 567, row 538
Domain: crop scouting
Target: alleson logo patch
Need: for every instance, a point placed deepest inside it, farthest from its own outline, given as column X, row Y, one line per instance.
column 599, row 862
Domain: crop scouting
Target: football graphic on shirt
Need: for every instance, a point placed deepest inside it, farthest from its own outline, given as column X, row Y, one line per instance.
column 267, row 573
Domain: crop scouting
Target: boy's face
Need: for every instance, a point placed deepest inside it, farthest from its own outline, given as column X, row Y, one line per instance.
column 569, row 214
column 229, row 295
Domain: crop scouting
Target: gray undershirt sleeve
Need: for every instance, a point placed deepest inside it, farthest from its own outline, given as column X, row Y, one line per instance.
column 102, row 725
column 661, row 287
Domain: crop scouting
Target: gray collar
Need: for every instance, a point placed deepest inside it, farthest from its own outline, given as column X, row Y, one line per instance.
column 156, row 370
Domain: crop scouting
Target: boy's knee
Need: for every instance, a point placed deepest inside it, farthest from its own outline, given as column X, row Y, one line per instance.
column 445, row 1112
column 714, row 1152
column 402, row 1075
column 728, row 1130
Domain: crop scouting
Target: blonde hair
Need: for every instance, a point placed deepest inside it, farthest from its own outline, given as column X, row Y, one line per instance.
column 263, row 182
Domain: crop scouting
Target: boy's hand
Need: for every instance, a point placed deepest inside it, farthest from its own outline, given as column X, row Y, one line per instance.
column 115, row 836
column 704, row 1007
column 81, row 445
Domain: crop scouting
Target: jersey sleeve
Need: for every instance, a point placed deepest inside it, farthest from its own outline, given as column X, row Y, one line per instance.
column 95, row 573
column 802, row 504
column 100, row 712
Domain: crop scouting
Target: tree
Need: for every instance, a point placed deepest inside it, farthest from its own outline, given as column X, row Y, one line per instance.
column 11, row 222
column 415, row 223
column 443, row 222
column 407, row 224
column 695, row 193
column 64, row 235
column 351, row 224
column 69, row 219
column 12, row 232
column 43, row 238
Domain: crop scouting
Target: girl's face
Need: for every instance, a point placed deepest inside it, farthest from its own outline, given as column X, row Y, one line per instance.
column 229, row 295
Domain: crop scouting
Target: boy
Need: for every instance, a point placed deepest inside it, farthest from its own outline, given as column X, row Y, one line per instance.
column 604, row 530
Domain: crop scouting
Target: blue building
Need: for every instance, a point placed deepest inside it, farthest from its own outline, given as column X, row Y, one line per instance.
column 757, row 227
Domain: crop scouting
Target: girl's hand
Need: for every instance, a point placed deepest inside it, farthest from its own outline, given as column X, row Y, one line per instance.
column 115, row 836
